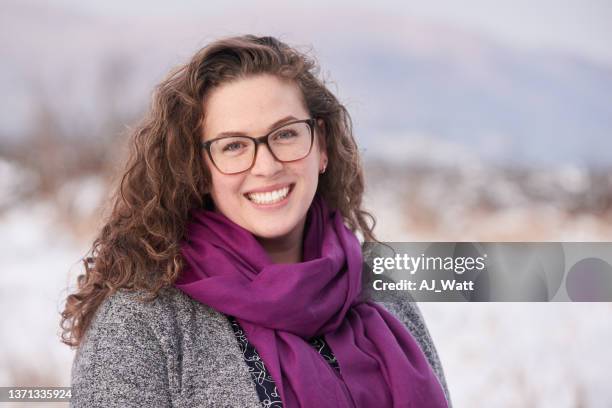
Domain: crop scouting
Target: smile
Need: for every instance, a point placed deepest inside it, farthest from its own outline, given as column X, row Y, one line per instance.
column 270, row 197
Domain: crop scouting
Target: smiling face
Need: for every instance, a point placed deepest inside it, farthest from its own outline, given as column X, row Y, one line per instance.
column 251, row 106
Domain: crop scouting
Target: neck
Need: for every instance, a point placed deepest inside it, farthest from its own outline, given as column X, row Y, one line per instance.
column 286, row 249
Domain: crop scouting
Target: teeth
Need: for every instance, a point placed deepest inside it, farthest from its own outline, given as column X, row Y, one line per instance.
column 269, row 197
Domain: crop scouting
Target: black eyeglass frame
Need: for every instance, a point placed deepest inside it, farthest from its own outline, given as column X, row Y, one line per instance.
column 263, row 140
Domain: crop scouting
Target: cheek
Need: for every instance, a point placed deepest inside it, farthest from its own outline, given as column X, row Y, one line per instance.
column 224, row 186
column 314, row 164
column 310, row 172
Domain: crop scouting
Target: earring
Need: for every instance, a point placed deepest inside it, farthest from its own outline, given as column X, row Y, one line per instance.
column 324, row 168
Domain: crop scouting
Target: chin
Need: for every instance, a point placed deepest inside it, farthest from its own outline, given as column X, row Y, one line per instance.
column 270, row 233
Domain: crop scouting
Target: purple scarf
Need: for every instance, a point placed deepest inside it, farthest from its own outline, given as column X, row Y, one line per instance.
column 280, row 306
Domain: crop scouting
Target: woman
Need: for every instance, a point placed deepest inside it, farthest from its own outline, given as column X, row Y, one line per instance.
column 236, row 220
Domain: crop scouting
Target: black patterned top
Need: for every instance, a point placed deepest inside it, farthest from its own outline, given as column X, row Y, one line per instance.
column 264, row 384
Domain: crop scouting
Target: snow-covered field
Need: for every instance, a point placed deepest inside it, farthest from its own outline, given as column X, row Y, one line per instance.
column 524, row 354
column 37, row 256
column 494, row 354
column 512, row 354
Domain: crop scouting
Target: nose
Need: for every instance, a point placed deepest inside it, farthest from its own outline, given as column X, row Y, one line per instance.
column 265, row 163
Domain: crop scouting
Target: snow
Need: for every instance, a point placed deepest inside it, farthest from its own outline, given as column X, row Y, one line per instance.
column 37, row 258
column 524, row 354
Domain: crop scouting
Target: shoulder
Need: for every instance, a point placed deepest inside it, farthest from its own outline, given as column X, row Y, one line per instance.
column 402, row 305
column 131, row 354
column 132, row 316
column 128, row 304
column 119, row 355
column 406, row 310
column 127, row 318
column 170, row 309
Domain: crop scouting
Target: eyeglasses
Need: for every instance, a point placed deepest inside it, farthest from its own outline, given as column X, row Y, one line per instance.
column 235, row 154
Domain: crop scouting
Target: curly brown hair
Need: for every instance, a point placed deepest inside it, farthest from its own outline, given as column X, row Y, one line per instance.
column 166, row 176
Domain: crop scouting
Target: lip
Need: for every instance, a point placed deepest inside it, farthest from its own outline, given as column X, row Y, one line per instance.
column 269, row 188
column 277, row 205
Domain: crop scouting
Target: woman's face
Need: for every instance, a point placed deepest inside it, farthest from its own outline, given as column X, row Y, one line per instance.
column 253, row 106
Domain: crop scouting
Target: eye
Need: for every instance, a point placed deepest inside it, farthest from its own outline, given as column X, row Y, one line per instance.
column 233, row 147
column 285, row 134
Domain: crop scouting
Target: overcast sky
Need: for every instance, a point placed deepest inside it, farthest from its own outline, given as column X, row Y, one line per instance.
column 580, row 26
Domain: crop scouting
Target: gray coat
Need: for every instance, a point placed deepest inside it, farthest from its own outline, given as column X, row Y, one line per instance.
column 175, row 351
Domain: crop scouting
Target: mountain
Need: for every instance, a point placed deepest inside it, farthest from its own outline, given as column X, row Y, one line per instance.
column 406, row 82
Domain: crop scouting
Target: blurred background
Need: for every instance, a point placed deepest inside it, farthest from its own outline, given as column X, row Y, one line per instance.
column 477, row 121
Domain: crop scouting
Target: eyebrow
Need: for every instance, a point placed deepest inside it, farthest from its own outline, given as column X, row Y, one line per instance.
column 272, row 127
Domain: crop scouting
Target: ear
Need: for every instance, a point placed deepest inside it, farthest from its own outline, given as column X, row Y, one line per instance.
column 322, row 140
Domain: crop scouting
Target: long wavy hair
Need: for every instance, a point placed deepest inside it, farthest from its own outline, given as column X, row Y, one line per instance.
column 165, row 175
